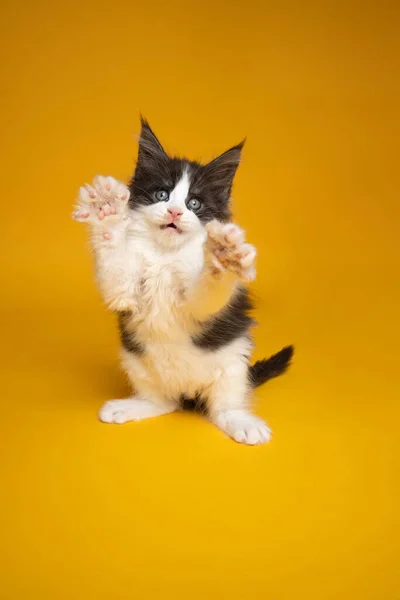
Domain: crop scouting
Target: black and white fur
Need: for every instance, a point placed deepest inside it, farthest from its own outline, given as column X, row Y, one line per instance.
column 174, row 267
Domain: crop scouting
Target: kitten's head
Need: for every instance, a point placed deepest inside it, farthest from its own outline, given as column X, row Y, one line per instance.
column 177, row 197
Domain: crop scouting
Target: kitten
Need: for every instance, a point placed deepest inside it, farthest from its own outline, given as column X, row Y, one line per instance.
column 174, row 268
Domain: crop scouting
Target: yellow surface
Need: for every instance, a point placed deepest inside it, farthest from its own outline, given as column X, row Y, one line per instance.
column 169, row 508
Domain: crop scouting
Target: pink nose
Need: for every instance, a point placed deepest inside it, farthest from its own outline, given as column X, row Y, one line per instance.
column 175, row 212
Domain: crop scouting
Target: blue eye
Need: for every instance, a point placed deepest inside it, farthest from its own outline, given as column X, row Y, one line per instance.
column 194, row 204
column 162, row 195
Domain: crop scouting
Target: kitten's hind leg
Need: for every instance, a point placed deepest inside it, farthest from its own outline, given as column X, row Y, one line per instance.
column 132, row 409
column 228, row 407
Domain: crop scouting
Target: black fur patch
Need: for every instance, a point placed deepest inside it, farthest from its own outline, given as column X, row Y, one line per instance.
column 128, row 339
column 210, row 183
column 196, row 404
column 230, row 323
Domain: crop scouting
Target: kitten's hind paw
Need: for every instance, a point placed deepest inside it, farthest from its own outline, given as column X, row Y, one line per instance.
column 132, row 409
column 106, row 199
column 243, row 427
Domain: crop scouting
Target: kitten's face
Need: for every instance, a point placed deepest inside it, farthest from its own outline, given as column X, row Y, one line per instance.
column 177, row 197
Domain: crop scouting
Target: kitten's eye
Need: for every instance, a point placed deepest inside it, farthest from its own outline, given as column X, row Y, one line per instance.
column 162, row 195
column 194, row 204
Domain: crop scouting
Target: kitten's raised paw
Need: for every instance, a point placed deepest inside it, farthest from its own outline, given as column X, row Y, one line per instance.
column 243, row 427
column 105, row 199
column 228, row 250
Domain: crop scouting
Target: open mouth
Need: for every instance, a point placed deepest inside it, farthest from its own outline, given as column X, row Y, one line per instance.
column 171, row 226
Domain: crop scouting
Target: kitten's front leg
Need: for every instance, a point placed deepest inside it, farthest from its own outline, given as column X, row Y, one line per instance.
column 229, row 261
column 104, row 207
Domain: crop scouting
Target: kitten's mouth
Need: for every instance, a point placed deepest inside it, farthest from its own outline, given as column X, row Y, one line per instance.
column 171, row 227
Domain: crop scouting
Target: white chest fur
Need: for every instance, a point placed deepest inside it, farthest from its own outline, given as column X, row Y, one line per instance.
column 161, row 283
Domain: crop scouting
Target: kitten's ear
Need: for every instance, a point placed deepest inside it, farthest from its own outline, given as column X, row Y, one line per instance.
column 150, row 150
column 224, row 166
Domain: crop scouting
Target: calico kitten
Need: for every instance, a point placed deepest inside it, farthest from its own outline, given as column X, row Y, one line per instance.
column 174, row 267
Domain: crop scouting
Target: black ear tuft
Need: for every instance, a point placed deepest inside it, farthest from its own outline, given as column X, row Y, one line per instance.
column 224, row 166
column 150, row 149
column 230, row 157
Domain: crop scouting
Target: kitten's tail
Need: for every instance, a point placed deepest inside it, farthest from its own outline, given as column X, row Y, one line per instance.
column 271, row 367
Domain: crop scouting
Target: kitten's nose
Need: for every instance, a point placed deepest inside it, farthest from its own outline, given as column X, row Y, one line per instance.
column 175, row 212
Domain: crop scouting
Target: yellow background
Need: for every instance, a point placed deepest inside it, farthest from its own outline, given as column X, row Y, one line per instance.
column 169, row 508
